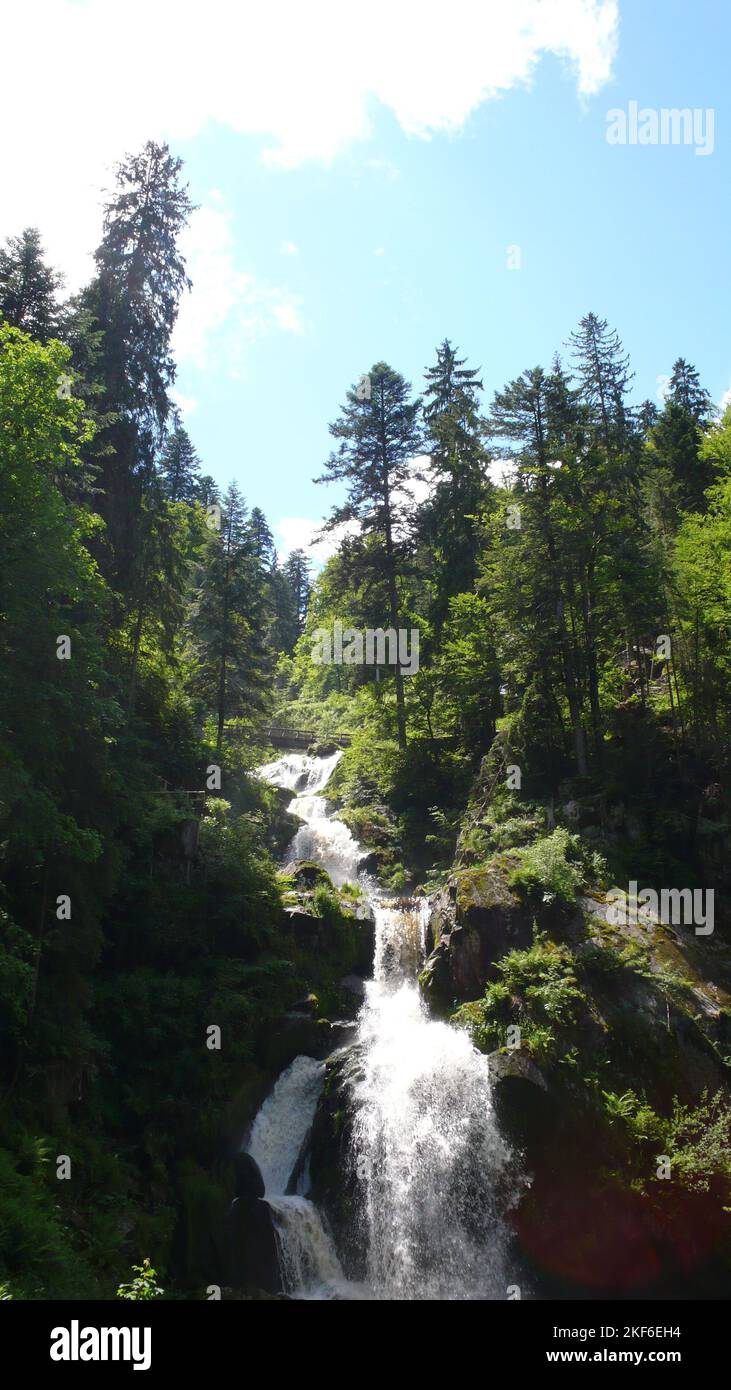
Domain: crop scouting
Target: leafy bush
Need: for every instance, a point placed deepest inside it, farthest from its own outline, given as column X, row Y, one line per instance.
column 327, row 904
column 548, row 869
column 538, row 991
column 142, row 1288
column 696, row 1140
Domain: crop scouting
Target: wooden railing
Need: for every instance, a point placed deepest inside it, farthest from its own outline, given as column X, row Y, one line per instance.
column 291, row 738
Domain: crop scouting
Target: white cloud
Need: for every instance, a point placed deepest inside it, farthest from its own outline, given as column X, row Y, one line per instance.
column 109, row 74
column 187, row 405
column 299, row 532
column 287, row 316
column 227, row 306
column 501, row 471
column 289, row 248
column 386, row 167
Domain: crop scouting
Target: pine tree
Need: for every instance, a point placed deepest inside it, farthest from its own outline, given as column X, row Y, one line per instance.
column 207, row 491
column 603, row 375
column 537, row 415
column 680, row 473
column 226, row 624
column 296, row 568
column 378, row 438
column 285, row 628
column 686, row 391
column 262, row 538
column 458, row 469
column 129, row 311
column 29, row 288
column 179, row 466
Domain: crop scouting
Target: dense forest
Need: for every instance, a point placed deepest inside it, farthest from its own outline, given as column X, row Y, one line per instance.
column 564, row 555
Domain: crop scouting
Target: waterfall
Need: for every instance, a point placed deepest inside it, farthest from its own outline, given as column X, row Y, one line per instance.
column 307, row 1260
column 283, row 1123
column 430, row 1161
column 320, row 838
column 309, row 1265
column 427, row 1153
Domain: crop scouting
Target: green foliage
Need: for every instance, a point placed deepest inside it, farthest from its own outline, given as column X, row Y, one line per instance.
column 327, row 904
column 549, row 869
column 538, row 991
column 143, row 1287
column 536, row 650
column 695, row 1139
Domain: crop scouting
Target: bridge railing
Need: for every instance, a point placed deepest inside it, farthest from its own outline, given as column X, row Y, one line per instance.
column 284, row 737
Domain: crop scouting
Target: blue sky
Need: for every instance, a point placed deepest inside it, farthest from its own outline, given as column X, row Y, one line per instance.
column 355, row 207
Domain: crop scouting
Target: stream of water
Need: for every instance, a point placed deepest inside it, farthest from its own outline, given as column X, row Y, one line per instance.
column 427, row 1152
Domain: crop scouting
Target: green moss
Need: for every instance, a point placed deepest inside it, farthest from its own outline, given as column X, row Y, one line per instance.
column 485, row 885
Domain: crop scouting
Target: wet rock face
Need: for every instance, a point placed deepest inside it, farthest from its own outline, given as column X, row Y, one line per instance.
column 334, row 1182
column 282, row 825
column 474, row 921
column 248, row 1180
column 251, row 1239
column 252, row 1245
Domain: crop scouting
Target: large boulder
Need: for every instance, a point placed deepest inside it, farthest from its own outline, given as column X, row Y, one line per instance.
column 252, row 1242
column 282, row 825
column 475, row 919
column 248, row 1180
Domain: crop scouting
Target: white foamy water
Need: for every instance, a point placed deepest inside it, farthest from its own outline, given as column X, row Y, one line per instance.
column 308, row 1263
column 284, row 1121
column 300, row 773
column 321, row 838
column 427, row 1153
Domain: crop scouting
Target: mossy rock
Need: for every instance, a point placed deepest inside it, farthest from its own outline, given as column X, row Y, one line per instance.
column 308, row 874
column 474, row 921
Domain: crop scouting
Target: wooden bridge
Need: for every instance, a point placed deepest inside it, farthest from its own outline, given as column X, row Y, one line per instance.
column 291, row 738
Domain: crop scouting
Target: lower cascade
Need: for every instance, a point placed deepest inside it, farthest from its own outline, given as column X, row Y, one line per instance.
column 307, row 1260
column 431, row 1165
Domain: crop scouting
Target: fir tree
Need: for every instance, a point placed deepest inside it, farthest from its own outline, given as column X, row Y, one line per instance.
column 680, row 472
column 378, row 438
column 296, row 568
column 227, row 621
column 179, row 466
column 458, row 469
column 129, row 310
column 262, row 538
column 603, row 376
column 29, row 288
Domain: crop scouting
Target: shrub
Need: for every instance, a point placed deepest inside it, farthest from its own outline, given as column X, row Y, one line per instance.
column 326, row 904
column 546, row 869
column 144, row 1286
column 537, row 991
column 696, row 1140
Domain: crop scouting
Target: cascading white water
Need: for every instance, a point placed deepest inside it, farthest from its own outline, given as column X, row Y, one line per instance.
column 427, row 1152
column 282, row 1124
column 309, row 1265
column 307, row 1258
column 320, row 838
